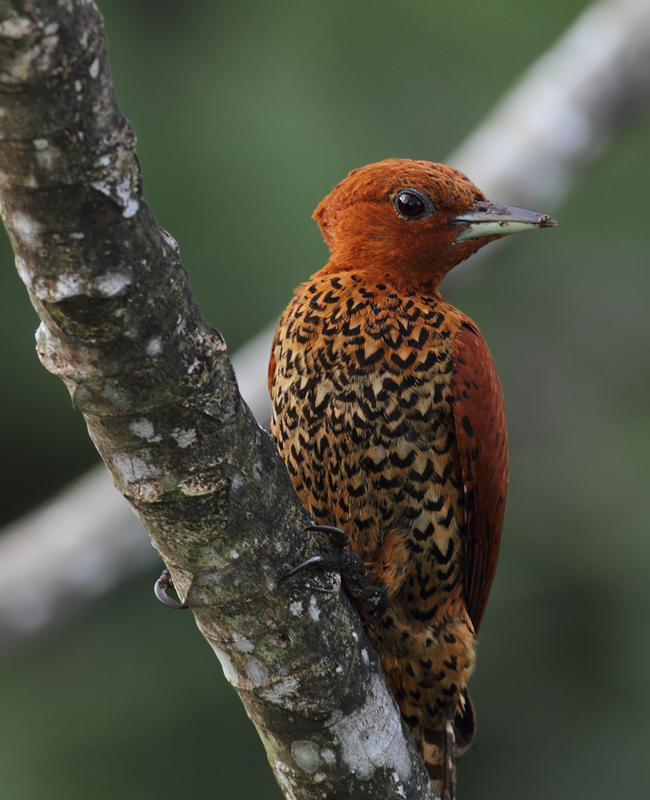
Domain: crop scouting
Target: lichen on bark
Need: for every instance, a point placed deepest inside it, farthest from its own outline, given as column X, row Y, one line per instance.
column 151, row 377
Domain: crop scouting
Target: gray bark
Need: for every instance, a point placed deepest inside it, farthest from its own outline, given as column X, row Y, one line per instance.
column 151, row 377
column 593, row 79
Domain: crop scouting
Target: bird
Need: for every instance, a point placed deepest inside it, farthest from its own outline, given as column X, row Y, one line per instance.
column 388, row 413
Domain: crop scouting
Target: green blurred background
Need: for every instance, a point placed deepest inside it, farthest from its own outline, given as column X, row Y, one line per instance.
column 247, row 114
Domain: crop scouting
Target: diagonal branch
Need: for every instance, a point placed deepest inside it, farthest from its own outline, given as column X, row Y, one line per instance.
column 556, row 121
column 150, row 375
column 85, row 540
column 592, row 81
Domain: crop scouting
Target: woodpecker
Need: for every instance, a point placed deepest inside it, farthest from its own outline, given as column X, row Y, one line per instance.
column 388, row 413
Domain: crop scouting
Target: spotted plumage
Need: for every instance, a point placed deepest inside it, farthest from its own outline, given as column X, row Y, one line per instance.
column 387, row 411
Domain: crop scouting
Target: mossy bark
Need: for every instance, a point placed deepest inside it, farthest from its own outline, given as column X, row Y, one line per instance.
column 151, row 377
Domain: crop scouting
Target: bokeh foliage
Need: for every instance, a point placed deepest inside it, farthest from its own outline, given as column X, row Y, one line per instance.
column 247, row 114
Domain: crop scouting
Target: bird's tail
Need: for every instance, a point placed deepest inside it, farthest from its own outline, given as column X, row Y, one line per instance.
column 442, row 739
column 439, row 756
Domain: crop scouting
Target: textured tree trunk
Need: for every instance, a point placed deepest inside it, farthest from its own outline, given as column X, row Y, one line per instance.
column 526, row 150
column 150, row 375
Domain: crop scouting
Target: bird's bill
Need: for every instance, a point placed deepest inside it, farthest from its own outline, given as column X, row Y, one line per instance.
column 490, row 219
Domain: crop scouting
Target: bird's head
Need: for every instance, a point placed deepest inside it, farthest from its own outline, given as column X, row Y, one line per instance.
column 412, row 221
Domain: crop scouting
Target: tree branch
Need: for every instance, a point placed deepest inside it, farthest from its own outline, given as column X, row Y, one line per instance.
column 562, row 114
column 120, row 327
column 555, row 122
column 593, row 80
column 85, row 540
column 564, row 110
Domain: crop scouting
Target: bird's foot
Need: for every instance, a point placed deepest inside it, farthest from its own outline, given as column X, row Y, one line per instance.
column 351, row 567
column 164, row 582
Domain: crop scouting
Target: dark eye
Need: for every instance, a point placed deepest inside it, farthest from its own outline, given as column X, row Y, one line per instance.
column 413, row 204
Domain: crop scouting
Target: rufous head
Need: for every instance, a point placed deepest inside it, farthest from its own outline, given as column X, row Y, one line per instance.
column 412, row 221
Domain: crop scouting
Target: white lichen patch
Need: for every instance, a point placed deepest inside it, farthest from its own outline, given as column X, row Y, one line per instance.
column 77, row 235
column 242, row 643
column 123, row 189
column 314, row 611
column 257, row 673
column 296, row 608
column 280, row 690
column 111, row 283
column 94, row 69
column 85, row 33
column 226, row 664
column 37, row 59
column 169, row 239
column 46, row 158
column 153, row 347
column 144, row 429
column 131, row 468
column 27, row 228
column 306, row 754
column 53, row 27
column 131, row 208
column 237, row 483
column 184, row 438
column 66, row 286
column 199, row 484
column 78, row 86
column 16, row 28
column 371, row 737
column 44, row 342
column 364, row 657
column 23, row 272
column 284, row 774
column 119, row 188
column 41, row 144
column 328, row 756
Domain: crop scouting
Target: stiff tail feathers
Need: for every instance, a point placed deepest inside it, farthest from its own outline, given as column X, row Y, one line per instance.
column 442, row 740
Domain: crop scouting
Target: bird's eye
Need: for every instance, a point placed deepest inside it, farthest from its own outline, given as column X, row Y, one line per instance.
column 413, row 204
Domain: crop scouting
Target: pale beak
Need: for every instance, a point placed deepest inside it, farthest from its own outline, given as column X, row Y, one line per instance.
column 490, row 219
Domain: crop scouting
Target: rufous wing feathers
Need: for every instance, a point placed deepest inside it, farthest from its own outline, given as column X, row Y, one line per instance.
column 482, row 443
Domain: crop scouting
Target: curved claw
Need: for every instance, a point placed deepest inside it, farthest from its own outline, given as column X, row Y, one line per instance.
column 353, row 574
column 163, row 583
column 337, row 537
column 308, row 563
column 324, row 528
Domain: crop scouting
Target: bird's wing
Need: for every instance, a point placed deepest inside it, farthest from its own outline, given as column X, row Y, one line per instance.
column 481, row 436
